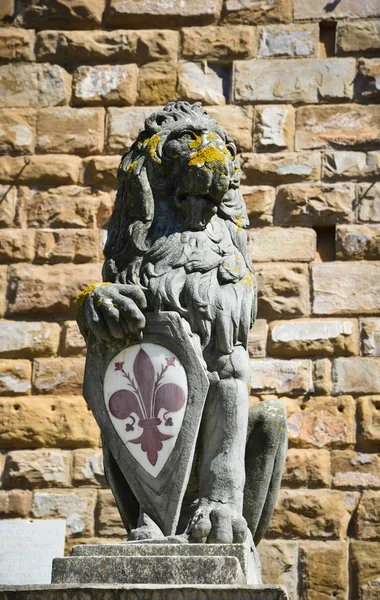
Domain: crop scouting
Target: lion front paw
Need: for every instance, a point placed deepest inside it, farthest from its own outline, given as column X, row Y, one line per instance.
column 217, row 524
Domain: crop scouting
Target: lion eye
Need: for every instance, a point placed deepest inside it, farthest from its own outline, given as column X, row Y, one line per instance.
column 187, row 133
column 231, row 149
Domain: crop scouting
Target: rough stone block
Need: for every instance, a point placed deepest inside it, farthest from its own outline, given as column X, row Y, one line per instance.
column 48, row 421
column 58, row 375
column 169, row 14
column 313, row 514
column 349, row 9
column 276, row 168
column 101, row 170
column 8, row 205
column 77, row 507
column 356, row 375
column 307, row 80
column 67, row 245
column 337, row 126
column 322, row 422
column 17, row 245
column 200, row 83
column 26, row 84
column 288, row 40
column 157, row 83
column 207, row 42
column 274, row 127
column 259, row 201
column 105, row 84
column 88, row 469
column 369, row 423
column 368, row 516
column 72, row 339
column 16, row 44
column 7, row 9
column 357, row 242
column 279, row 562
column 3, row 288
column 79, row 14
column 48, row 289
column 105, row 46
column 257, row 339
column 369, row 202
column 237, row 120
column 323, row 566
column 123, row 126
column 15, row 504
column 314, row 337
column 258, row 12
column 370, row 336
column 47, row 169
column 283, row 290
column 367, row 82
column 365, row 561
column 358, row 292
column 17, row 129
column 15, row 377
column 280, row 244
column 25, row 339
column 273, row 376
column 349, row 165
column 307, row 468
column 75, row 131
column 358, row 36
column 108, row 521
column 28, row 469
column 355, row 470
column 322, row 376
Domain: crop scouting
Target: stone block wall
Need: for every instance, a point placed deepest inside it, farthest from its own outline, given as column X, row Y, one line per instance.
column 296, row 82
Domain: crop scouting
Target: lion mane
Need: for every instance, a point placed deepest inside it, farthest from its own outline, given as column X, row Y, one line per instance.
column 205, row 275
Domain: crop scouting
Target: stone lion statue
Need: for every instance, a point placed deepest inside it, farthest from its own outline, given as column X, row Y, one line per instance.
column 177, row 242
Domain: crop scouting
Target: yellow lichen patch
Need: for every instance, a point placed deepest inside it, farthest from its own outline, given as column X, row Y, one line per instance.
column 248, row 279
column 225, row 151
column 87, row 291
column 152, row 144
column 212, row 136
column 239, row 223
column 131, row 167
column 197, row 142
column 207, row 155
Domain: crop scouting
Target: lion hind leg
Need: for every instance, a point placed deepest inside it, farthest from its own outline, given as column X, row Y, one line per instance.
column 265, row 456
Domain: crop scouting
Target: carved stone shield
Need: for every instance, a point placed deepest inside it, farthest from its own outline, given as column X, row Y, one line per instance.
column 148, row 400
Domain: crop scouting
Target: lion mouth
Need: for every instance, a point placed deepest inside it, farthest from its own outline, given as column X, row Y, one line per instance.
column 205, row 199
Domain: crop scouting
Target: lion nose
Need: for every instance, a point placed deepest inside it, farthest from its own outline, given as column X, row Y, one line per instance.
column 209, row 156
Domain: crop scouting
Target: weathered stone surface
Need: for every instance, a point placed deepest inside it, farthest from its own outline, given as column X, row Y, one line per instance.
column 370, row 336
column 71, row 130
column 123, row 126
column 323, row 570
column 200, row 83
column 369, row 422
column 72, row 339
column 46, row 85
column 105, row 84
column 16, row 44
column 101, row 170
column 356, row 375
column 237, row 120
column 77, row 507
column 170, row 14
column 358, row 242
column 8, row 205
column 48, row 289
column 313, row 514
column 368, row 77
column 104, row 46
column 307, row 468
column 67, row 245
column 307, row 80
column 37, row 469
column 283, row 290
column 274, row 127
column 25, row 339
column 259, row 201
column 368, row 516
column 15, row 377
column 58, row 375
column 16, row 245
column 15, row 504
column 322, row 376
column 349, row 165
column 280, row 244
column 314, row 337
column 369, row 202
column 88, row 469
column 3, row 288
column 355, row 470
column 17, row 129
column 44, row 169
column 207, row 42
column 288, row 40
column 108, row 521
column 257, row 340
column 273, row 376
column 314, row 204
column 258, row 12
column 322, row 422
column 279, row 561
column 358, row 36
column 157, row 83
column 280, row 168
column 66, row 206
column 337, row 126
column 7, row 9
column 48, row 421
column 358, row 292
column 349, row 9
column 365, row 560
column 80, row 14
